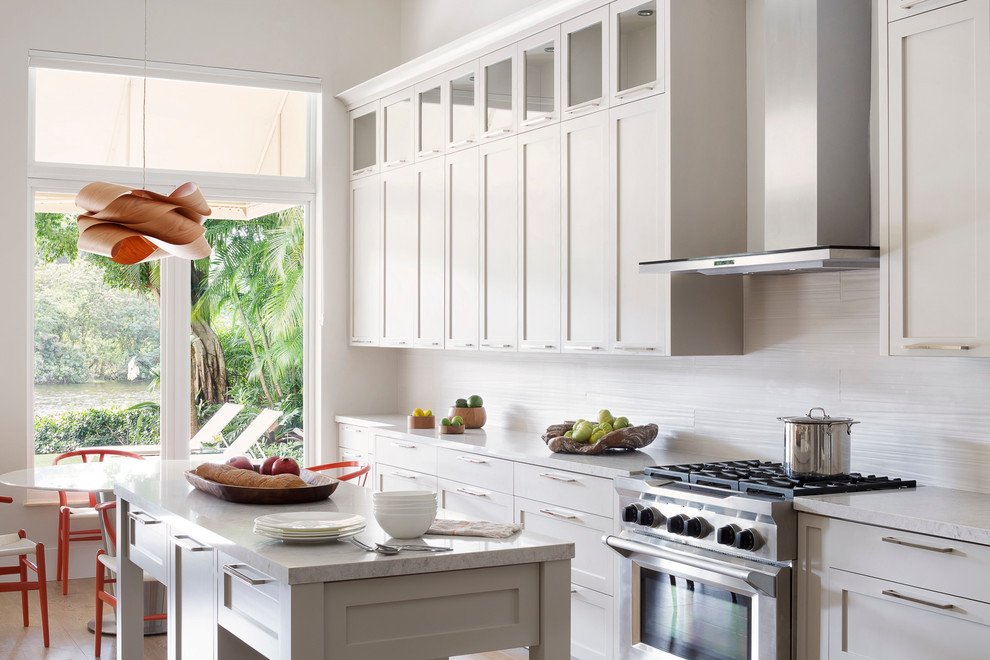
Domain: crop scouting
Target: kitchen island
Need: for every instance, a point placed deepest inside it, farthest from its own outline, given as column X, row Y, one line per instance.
column 233, row 593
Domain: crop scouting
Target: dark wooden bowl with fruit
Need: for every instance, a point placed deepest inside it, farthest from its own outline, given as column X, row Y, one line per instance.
column 585, row 437
column 471, row 410
column 240, row 481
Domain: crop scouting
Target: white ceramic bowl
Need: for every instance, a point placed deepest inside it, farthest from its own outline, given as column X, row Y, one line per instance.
column 406, row 525
column 404, row 496
column 406, row 509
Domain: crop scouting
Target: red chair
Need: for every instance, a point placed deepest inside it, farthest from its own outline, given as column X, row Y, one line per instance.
column 19, row 546
column 105, row 563
column 66, row 513
column 361, row 473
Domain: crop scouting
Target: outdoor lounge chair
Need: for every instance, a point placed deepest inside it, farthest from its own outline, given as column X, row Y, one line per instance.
column 246, row 440
column 215, row 425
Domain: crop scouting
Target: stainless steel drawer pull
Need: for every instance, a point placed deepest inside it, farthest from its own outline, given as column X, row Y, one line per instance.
column 475, row 493
column 427, row 152
column 938, row 347
column 557, row 477
column 635, row 90
column 538, row 346
column 634, row 348
column 921, row 546
column 403, row 475
column 393, row 163
column 364, row 171
column 347, row 454
column 462, row 344
column 362, row 341
column 231, row 570
column 585, row 348
column 557, row 514
column 488, row 345
column 894, row 594
column 468, row 459
column 189, row 543
column 537, row 120
column 148, row 519
column 584, row 107
column 907, row 4
column 462, row 143
column 403, row 445
column 496, row 133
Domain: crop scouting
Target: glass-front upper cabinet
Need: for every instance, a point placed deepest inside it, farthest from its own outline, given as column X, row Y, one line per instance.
column 584, row 62
column 637, row 49
column 430, row 119
column 461, row 87
column 364, row 140
column 397, row 116
column 498, row 93
column 539, row 79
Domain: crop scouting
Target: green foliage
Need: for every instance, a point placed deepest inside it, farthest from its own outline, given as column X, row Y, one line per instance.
column 95, row 427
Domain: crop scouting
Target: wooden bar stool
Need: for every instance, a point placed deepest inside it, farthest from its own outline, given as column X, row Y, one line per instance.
column 17, row 545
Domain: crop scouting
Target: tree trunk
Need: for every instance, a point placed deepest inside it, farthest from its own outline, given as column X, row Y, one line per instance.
column 209, row 365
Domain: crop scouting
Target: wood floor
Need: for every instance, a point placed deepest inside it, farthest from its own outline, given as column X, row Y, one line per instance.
column 71, row 640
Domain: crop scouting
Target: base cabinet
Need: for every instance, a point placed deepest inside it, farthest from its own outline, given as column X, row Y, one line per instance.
column 192, row 613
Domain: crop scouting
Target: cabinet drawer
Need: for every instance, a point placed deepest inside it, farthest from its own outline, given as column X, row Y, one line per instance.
column 407, row 454
column 930, row 562
column 346, row 454
column 248, row 605
column 355, row 437
column 389, row 477
column 897, row 9
column 872, row 618
column 592, row 563
column 147, row 543
column 481, row 471
column 567, row 489
column 474, row 503
column 591, row 624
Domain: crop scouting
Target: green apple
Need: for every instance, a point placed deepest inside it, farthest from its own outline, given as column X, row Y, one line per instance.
column 474, row 401
column 444, row 422
column 605, row 416
column 582, row 431
column 620, row 423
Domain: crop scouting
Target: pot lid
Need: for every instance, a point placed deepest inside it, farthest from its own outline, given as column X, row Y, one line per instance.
column 811, row 418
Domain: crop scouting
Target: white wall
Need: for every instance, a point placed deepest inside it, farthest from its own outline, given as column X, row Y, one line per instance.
column 429, row 24
column 341, row 42
column 811, row 340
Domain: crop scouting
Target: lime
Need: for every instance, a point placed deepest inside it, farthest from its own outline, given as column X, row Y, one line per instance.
column 456, row 421
column 461, row 403
column 444, row 422
column 474, row 401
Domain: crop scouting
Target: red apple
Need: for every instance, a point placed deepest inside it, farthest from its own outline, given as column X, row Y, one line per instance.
column 285, row 466
column 242, row 462
column 266, row 467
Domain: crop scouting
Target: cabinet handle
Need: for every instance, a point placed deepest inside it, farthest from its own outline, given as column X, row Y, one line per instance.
column 468, row 459
column 488, row 345
column 557, row 477
column 936, row 347
column 940, row 606
column 403, row 445
column 920, row 546
column 351, row 429
column 557, row 514
column 537, row 346
column 189, row 543
column 537, row 120
column 461, row 143
column 231, row 570
column 636, row 90
column 462, row 344
column 496, row 133
column 475, row 493
column 393, row 163
column 634, row 348
column 585, row 348
column 403, row 475
column 364, row 171
column 907, row 4
column 147, row 520
column 362, row 341
column 427, row 152
column 347, row 454
column 584, row 107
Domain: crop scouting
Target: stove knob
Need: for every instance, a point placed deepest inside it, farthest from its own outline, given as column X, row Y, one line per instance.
column 726, row 535
column 650, row 517
column 696, row 528
column 675, row 524
column 747, row 539
column 630, row 513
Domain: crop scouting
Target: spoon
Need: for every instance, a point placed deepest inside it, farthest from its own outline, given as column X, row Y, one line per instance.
column 419, row 548
column 382, row 550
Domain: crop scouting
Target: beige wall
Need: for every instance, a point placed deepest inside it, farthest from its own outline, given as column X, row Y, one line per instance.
column 429, row 24
column 340, row 41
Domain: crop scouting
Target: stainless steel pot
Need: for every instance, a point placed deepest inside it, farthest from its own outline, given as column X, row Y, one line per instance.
column 816, row 446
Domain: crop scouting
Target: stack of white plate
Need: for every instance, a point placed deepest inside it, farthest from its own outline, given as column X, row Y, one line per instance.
column 309, row 526
column 405, row 514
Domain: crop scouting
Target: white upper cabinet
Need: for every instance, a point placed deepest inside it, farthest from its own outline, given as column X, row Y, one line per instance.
column 462, row 251
column 938, row 229
column 398, row 127
column 539, row 239
column 463, row 104
column 539, row 79
column 365, row 260
column 365, row 153
column 401, row 256
column 584, row 63
column 637, row 49
column 430, row 119
column 587, row 263
column 431, row 274
column 498, row 94
column 499, row 241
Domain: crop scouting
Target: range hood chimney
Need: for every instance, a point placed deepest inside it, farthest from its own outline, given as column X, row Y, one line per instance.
column 815, row 147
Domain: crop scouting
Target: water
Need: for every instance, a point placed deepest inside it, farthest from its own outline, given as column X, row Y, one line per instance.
column 55, row 399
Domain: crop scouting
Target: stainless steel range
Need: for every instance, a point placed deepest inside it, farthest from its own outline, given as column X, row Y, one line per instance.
column 707, row 551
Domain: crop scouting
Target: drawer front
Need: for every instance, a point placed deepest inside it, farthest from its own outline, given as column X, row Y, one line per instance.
column 928, row 562
column 248, row 605
column 473, row 503
column 591, row 625
column 348, row 454
column 355, row 437
column 147, row 543
column 897, row 9
column 481, row 471
column 389, row 477
column 407, row 454
column 567, row 489
column 872, row 618
column 592, row 563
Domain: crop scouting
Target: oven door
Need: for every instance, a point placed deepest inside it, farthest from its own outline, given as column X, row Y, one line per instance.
column 677, row 601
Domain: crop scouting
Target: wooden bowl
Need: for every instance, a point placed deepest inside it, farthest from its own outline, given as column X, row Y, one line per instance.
column 320, row 488
column 422, row 422
column 474, row 418
column 451, row 429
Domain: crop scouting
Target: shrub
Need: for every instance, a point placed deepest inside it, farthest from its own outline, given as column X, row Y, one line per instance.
column 95, row 427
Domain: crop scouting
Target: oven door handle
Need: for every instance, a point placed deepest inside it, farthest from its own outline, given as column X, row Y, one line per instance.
column 765, row 583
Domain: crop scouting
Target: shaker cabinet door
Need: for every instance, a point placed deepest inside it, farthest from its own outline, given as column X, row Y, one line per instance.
column 499, row 242
column 430, row 274
column 401, row 256
column 462, row 250
column 366, row 263
column 939, row 166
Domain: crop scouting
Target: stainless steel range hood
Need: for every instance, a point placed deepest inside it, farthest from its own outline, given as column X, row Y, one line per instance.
column 809, row 161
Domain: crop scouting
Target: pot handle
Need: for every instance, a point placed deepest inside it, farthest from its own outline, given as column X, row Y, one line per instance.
column 824, row 414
